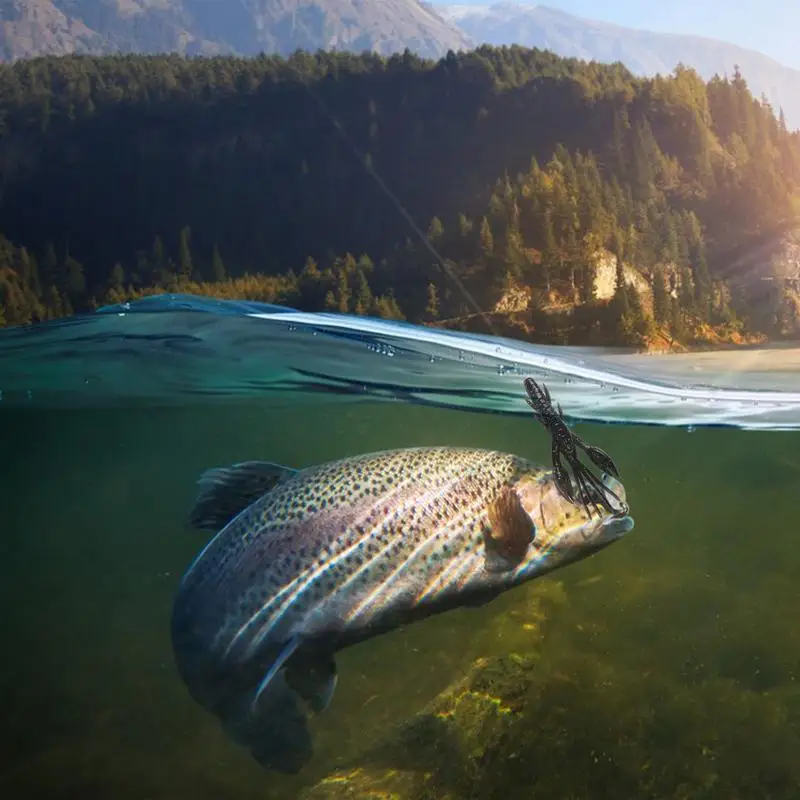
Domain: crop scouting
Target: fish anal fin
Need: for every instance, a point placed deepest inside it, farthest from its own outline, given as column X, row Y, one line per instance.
column 226, row 491
column 312, row 674
column 510, row 532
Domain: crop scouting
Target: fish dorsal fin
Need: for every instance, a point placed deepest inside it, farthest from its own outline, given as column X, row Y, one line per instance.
column 510, row 532
column 225, row 491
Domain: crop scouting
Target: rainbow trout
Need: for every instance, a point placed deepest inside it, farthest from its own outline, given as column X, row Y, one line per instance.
column 306, row 562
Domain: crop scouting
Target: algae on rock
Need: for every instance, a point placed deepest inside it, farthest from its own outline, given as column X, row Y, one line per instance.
column 446, row 750
column 577, row 712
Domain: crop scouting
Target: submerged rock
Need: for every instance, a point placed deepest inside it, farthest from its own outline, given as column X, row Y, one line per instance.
column 447, row 750
column 592, row 706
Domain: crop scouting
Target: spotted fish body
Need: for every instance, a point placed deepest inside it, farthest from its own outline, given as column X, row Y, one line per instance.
column 339, row 552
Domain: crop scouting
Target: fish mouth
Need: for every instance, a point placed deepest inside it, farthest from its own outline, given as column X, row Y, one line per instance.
column 617, row 527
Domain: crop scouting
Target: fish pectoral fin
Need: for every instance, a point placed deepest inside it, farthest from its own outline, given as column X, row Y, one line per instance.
column 313, row 676
column 510, row 532
column 285, row 654
column 226, row 491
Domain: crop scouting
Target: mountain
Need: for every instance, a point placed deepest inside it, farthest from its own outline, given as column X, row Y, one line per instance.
column 643, row 52
column 246, row 27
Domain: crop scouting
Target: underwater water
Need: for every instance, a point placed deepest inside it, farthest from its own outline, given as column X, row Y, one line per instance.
column 666, row 666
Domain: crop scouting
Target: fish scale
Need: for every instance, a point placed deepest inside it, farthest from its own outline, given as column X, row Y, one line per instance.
column 331, row 562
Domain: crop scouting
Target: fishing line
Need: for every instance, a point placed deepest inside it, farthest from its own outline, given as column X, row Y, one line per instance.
column 440, row 261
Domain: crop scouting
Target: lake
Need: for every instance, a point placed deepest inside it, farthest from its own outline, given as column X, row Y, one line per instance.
column 667, row 665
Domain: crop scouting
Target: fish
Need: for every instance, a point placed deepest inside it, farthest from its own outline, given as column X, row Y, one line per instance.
column 306, row 562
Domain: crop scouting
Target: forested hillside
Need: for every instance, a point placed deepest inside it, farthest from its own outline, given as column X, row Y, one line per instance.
column 298, row 178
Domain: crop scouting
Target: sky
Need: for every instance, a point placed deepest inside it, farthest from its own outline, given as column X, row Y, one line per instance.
column 771, row 26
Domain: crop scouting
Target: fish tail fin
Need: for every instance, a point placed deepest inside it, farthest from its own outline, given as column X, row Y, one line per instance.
column 274, row 730
column 226, row 491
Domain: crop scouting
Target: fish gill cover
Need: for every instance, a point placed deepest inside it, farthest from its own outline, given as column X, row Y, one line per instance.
column 179, row 349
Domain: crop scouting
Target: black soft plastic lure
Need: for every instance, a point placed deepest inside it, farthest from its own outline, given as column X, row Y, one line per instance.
column 588, row 489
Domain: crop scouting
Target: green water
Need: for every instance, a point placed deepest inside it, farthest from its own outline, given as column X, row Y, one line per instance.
column 668, row 667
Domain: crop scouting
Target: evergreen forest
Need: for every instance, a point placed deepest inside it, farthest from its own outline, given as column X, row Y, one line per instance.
column 483, row 190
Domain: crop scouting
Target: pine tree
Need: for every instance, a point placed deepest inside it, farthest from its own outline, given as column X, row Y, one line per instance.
column 116, row 280
column 364, row 296
column 619, row 146
column 549, row 250
column 677, row 325
column 686, row 294
column 185, row 266
column 76, row 281
column 343, row 293
column 702, row 281
column 217, row 266
column 620, row 290
column 50, row 266
column 29, row 272
column 643, row 165
column 671, row 249
column 432, row 305
column 661, row 299
column 487, row 238
column 53, row 304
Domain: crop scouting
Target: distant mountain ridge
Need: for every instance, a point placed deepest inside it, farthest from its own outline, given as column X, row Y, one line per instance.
column 246, row 27
column 643, row 52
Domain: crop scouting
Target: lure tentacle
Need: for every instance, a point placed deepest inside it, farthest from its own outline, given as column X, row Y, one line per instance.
column 589, row 490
